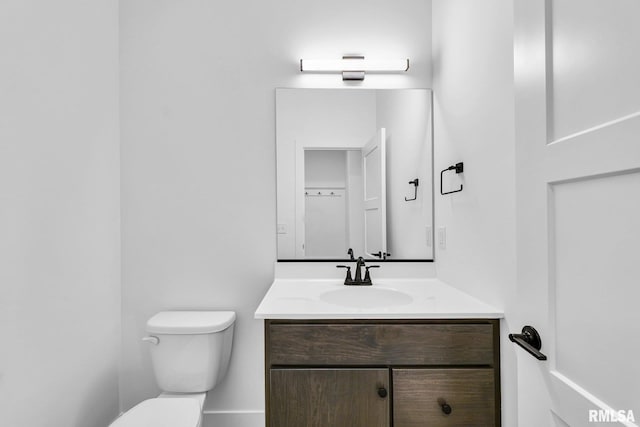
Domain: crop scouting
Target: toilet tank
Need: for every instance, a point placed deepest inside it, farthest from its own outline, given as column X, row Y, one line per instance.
column 192, row 350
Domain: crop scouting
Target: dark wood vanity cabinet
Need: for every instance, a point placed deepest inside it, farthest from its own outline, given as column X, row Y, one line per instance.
column 375, row 373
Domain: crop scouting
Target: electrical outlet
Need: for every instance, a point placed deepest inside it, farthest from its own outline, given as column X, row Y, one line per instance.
column 282, row 229
column 442, row 237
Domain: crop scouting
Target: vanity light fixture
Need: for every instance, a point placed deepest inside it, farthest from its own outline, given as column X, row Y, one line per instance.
column 353, row 67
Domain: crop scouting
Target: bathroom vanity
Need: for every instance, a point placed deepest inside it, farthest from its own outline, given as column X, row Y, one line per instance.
column 383, row 372
column 364, row 356
column 407, row 351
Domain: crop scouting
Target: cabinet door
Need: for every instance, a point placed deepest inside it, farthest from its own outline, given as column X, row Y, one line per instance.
column 423, row 397
column 329, row 398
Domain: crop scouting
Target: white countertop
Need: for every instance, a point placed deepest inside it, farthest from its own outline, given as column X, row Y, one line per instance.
column 387, row 298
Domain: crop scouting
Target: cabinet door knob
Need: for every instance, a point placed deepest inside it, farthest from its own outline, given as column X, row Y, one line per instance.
column 382, row 392
column 445, row 406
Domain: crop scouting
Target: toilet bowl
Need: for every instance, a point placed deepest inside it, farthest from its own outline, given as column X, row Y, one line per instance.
column 159, row 412
column 190, row 353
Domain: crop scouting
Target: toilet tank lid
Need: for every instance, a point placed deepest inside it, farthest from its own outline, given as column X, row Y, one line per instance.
column 190, row 322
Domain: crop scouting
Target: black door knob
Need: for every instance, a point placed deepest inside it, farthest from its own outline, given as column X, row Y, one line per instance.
column 382, row 392
column 444, row 406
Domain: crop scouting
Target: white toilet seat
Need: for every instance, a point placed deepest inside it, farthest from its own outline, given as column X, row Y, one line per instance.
column 162, row 412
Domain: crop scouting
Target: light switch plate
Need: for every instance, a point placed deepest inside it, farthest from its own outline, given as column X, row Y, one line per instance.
column 442, row 237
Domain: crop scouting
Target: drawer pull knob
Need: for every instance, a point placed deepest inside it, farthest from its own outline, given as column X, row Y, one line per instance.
column 382, row 392
column 445, row 406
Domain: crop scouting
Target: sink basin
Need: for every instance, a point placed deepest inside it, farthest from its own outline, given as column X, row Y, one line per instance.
column 366, row 297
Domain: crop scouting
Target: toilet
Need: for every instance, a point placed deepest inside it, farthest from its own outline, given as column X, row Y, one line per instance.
column 190, row 353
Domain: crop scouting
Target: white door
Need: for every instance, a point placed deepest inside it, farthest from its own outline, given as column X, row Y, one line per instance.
column 577, row 103
column 375, row 196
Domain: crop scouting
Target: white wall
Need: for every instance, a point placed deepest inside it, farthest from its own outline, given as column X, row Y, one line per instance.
column 474, row 123
column 325, row 168
column 59, row 213
column 198, row 164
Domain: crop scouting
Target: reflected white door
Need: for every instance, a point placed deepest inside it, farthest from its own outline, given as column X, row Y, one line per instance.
column 375, row 196
column 578, row 210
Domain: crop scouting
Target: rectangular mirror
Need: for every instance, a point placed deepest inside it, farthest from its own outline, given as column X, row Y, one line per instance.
column 354, row 174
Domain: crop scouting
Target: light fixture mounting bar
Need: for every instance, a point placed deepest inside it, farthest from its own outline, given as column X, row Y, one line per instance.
column 354, row 66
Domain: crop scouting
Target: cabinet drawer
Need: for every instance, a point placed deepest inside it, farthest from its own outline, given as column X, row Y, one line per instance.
column 381, row 344
column 418, row 395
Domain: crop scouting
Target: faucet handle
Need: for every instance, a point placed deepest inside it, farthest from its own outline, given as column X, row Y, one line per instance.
column 347, row 280
column 367, row 277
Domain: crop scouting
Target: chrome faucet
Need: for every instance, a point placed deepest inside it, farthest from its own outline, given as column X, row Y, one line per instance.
column 358, row 280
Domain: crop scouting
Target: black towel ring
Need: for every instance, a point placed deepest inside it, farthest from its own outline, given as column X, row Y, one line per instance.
column 415, row 192
column 459, row 168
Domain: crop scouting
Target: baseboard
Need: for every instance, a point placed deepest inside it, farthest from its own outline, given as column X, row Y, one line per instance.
column 234, row 419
